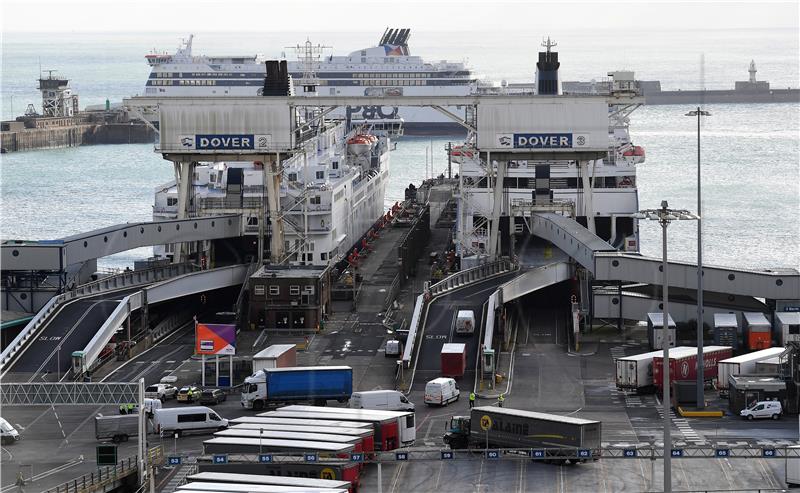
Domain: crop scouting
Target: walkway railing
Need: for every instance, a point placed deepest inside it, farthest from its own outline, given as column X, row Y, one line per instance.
column 106, row 477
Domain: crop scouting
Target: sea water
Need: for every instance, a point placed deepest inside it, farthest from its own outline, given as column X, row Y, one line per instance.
column 750, row 152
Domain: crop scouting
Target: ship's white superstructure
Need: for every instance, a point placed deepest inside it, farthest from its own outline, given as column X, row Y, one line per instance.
column 388, row 68
column 331, row 193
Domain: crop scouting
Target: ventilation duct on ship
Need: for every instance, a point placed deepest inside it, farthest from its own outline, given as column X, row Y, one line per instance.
column 277, row 82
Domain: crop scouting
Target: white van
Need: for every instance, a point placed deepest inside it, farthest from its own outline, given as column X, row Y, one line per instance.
column 192, row 419
column 465, row 322
column 441, row 391
column 763, row 409
column 385, row 400
column 7, row 432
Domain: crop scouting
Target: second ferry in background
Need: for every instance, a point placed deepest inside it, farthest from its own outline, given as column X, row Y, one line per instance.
column 386, row 69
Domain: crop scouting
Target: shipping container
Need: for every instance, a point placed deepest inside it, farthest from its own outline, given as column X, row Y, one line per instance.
column 772, row 366
column 454, row 359
column 256, row 479
column 275, row 356
column 655, row 331
column 636, row 372
column 335, row 469
column 726, row 330
column 491, row 426
column 393, row 429
column 788, row 326
column 744, row 364
column 758, row 330
column 683, row 363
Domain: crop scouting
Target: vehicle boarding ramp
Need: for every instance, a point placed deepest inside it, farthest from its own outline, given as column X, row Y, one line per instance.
column 527, row 282
column 79, row 330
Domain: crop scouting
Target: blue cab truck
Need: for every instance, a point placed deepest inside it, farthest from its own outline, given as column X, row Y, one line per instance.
column 272, row 387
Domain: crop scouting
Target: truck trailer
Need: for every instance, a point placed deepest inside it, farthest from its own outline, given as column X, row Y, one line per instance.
column 744, row 364
column 271, row 387
column 635, row 372
column 491, row 426
column 683, row 363
column 393, row 429
column 288, row 466
column 454, row 359
column 118, row 428
column 275, row 356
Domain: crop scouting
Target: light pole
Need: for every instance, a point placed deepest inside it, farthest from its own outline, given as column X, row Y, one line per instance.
column 701, row 402
column 664, row 216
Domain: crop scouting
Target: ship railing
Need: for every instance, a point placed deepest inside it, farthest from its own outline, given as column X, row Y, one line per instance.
column 450, row 283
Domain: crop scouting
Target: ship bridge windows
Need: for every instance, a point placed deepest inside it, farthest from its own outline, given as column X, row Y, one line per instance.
column 320, row 175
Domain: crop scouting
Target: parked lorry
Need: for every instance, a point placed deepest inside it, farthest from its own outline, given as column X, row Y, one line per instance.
column 288, row 466
column 118, row 428
column 270, row 387
column 275, row 356
column 454, row 359
column 770, row 366
column 683, row 363
column 635, row 372
column 491, row 426
column 744, row 364
column 758, row 330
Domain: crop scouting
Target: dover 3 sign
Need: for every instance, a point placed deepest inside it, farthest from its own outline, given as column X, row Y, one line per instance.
column 225, row 142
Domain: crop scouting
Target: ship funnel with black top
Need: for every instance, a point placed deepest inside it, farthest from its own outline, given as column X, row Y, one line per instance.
column 547, row 79
column 277, row 82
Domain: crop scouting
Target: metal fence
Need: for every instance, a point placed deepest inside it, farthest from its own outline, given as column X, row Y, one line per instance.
column 105, row 478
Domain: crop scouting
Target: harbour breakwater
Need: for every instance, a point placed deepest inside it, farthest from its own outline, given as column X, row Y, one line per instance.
column 33, row 133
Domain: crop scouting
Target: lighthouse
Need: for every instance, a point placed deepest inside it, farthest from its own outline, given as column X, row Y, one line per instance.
column 752, row 71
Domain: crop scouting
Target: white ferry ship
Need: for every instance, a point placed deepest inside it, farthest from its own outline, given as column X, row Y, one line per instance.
column 603, row 197
column 331, row 194
column 385, row 69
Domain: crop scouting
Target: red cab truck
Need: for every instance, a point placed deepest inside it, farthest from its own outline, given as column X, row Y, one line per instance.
column 683, row 363
column 454, row 360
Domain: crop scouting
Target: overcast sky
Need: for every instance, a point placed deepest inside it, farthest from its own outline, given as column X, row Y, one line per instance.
column 369, row 15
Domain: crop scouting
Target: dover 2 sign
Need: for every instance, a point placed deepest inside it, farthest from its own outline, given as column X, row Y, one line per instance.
column 215, row 339
column 225, row 142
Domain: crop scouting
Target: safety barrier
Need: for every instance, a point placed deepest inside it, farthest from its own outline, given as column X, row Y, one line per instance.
column 475, row 274
column 106, row 477
column 620, row 452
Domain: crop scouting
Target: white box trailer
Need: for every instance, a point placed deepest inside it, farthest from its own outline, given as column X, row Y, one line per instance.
column 744, row 364
column 636, row 372
column 275, row 356
column 260, row 479
column 793, row 468
column 655, row 331
column 788, row 326
column 770, row 366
